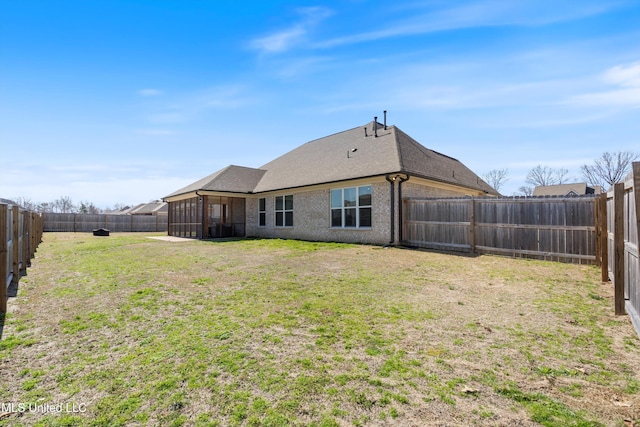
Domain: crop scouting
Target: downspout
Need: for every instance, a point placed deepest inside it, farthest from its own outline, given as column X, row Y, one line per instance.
column 400, row 224
column 392, row 190
column 169, row 217
column 203, row 233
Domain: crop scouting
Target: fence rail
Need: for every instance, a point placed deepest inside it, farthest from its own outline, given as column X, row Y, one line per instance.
column 557, row 229
column 622, row 264
column 72, row 222
column 20, row 234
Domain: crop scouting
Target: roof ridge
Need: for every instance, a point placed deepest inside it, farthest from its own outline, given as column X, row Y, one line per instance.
column 347, row 130
column 398, row 150
column 413, row 142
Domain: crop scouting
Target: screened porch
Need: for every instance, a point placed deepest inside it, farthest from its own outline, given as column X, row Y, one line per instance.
column 207, row 217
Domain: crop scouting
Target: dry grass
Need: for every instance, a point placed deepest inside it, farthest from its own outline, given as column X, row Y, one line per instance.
column 135, row 331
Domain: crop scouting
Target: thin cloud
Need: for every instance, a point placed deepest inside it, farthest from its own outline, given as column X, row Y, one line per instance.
column 627, row 93
column 191, row 106
column 283, row 40
column 476, row 14
column 150, row 92
column 612, row 98
column 624, row 75
column 302, row 66
column 279, row 42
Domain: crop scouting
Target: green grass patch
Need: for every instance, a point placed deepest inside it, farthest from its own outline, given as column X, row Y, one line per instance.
column 547, row 411
column 273, row 332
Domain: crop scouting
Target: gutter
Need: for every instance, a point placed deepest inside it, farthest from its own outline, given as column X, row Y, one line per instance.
column 392, row 178
column 400, row 226
column 393, row 204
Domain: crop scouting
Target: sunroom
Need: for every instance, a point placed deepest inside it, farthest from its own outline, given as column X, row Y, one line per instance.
column 207, row 217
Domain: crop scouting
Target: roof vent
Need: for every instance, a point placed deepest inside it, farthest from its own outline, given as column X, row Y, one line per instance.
column 375, row 126
column 385, row 119
column 365, row 132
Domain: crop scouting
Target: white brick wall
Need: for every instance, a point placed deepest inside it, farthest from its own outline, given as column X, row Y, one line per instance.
column 312, row 214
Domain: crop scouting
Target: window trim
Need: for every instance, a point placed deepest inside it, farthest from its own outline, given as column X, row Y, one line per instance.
column 357, row 207
column 262, row 212
column 284, row 211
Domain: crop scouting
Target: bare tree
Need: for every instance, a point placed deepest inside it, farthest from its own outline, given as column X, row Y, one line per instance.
column 540, row 175
column 525, row 191
column 545, row 175
column 64, row 204
column 86, row 207
column 44, row 207
column 120, row 207
column 496, row 178
column 561, row 175
column 25, row 203
column 609, row 168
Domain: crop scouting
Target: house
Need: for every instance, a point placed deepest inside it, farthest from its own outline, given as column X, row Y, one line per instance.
column 575, row 189
column 152, row 208
column 345, row 187
column 155, row 208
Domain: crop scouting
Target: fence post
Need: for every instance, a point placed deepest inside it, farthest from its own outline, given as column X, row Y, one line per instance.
column 3, row 258
column 15, row 231
column 596, row 216
column 603, row 237
column 618, row 247
column 26, row 244
column 33, row 236
column 472, row 225
column 26, row 239
column 635, row 169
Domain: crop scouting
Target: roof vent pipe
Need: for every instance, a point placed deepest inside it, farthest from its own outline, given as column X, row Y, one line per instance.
column 375, row 126
column 365, row 132
column 385, row 119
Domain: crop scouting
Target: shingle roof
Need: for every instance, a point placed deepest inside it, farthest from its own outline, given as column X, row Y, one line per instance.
column 234, row 179
column 420, row 161
column 577, row 188
column 150, row 208
column 331, row 159
column 350, row 154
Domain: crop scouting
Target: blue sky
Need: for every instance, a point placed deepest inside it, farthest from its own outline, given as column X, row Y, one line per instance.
column 126, row 101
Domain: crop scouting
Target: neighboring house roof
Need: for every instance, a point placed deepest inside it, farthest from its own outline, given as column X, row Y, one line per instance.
column 574, row 189
column 351, row 154
column 156, row 207
column 150, row 208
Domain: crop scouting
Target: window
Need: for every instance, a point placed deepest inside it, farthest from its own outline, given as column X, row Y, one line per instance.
column 351, row 207
column 284, row 211
column 262, row 212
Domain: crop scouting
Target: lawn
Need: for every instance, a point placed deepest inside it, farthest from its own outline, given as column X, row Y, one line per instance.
column 131, row 331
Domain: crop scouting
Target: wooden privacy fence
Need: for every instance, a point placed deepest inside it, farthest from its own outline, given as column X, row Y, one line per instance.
column 621, row 261
column 556, row 229
column 20, row 234
column 74, row 222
